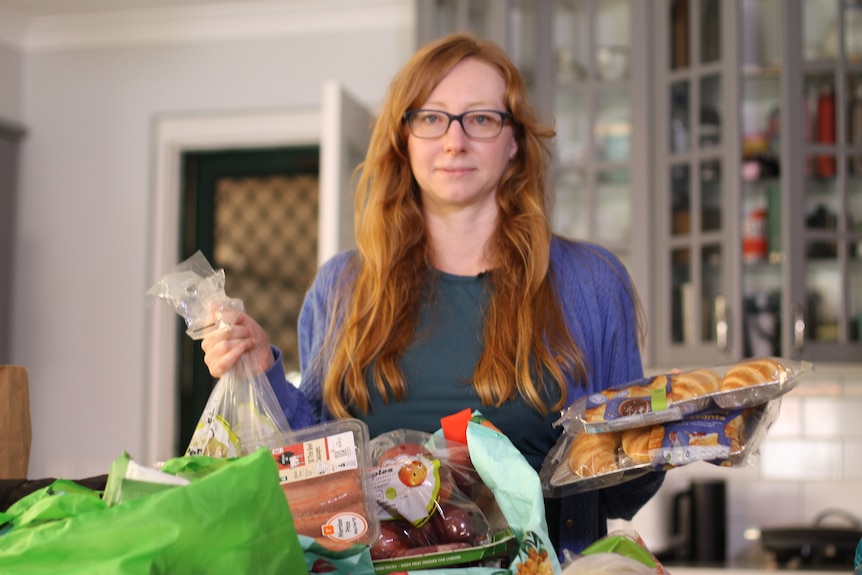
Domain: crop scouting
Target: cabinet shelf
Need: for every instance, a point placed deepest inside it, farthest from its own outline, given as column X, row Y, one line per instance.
column 760, row 185
column 772, row 261
column 755, row 71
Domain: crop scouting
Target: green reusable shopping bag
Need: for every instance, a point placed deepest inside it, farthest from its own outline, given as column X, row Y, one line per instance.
column 232, row 521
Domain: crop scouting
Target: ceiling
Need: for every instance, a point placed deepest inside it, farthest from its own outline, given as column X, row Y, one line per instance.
column 37, row 8
column 44, row 25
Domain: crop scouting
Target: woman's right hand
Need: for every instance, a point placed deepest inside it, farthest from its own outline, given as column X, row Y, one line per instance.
column 223, row 347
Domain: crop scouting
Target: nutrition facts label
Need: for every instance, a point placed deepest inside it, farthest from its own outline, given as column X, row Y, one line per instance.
column 316, row 457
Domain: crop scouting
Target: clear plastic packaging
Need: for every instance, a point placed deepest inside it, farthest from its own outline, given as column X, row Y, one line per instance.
column 432, row 502
column 324, row 471
column 582, row 461
column 242, row 406
column 674, row 396
column 621, row 552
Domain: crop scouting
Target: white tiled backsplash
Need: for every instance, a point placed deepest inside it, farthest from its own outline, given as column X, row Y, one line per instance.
column 809, row 462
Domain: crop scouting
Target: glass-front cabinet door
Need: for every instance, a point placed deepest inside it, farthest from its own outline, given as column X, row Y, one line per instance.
column 486, row 18
column 757, row 237
column 589, row 92
column 827, row 177
column 715, row 146
column 586, row 64
column 698, row 161
column 762, row 74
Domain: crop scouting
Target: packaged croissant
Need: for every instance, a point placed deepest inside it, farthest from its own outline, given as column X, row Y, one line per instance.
column 674, row 396
column 582, row 461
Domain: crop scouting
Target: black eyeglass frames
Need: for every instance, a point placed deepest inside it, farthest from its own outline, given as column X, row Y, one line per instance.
column 477, row 124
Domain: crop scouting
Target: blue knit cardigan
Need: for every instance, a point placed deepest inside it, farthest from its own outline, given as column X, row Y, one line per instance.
column 596, row 297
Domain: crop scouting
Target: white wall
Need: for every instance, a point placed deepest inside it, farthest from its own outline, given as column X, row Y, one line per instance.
column 10, row 84
column 12, row 25
column 84, row 239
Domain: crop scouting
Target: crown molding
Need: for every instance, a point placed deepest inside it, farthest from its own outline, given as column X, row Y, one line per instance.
column 184, row 24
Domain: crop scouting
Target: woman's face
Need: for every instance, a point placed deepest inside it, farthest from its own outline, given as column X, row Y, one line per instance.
column 453, row 171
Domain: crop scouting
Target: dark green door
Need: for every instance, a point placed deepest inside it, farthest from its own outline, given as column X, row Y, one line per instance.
column 253, row 213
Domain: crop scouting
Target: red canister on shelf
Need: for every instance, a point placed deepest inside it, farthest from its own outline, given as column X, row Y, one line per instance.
column 825, row 164
column 754, row 241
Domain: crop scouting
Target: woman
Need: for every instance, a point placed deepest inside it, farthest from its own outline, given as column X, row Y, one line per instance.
column 458, row 295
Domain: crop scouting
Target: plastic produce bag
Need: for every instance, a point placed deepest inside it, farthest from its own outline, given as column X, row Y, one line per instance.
column 242, row 407
column 619, row 552
column 232, row 520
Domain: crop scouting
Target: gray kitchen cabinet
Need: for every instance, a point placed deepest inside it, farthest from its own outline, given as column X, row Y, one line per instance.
column 486, row 18
column 825, row 181
column 586, row 64
column 10, row 136
column 693, row 148
column 757, row 182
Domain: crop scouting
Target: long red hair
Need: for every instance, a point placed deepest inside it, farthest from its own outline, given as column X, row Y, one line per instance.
column 525, row 335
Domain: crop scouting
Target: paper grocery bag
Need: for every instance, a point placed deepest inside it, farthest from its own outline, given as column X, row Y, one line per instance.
column 15, row 431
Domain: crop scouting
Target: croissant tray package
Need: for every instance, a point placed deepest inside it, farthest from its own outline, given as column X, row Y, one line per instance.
column 582, row 461
column 673, row 396
column 714, row 414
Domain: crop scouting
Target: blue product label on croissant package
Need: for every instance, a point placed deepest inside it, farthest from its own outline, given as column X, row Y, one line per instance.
column 633, row 400
column 699, row 438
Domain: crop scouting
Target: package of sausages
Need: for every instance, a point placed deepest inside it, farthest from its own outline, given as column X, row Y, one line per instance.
column 582, row 461
column 674, row 396
column 324, row 471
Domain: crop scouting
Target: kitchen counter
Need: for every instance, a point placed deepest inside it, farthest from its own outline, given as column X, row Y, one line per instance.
column 736, row 571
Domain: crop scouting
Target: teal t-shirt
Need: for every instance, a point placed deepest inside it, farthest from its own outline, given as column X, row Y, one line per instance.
column 438, row 368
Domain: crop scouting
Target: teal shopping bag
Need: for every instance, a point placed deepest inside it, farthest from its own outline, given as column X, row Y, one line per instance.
column 234, row 520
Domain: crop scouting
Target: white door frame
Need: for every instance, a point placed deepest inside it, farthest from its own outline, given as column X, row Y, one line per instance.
column 173, row 136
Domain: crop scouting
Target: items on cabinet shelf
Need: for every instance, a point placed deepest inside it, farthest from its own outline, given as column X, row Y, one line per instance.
column 759, row 167
column 760, row 152
column 825, row 131
column 762, row 317
column 710, row 37
column 773, row 132
column 751, row 36
column 679, row 119
column 679, row 34
column 568, row 68
column 853, row 30
column 773, row 221
column 710, row 127
column 855, row 133
column 612, row 62
column 822, row 219
column 754, row 238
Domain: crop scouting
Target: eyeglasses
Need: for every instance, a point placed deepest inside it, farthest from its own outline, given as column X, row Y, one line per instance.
column 477, row 124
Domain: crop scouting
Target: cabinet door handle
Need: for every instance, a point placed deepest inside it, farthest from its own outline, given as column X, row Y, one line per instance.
column 721, row 323
column 798, row 330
